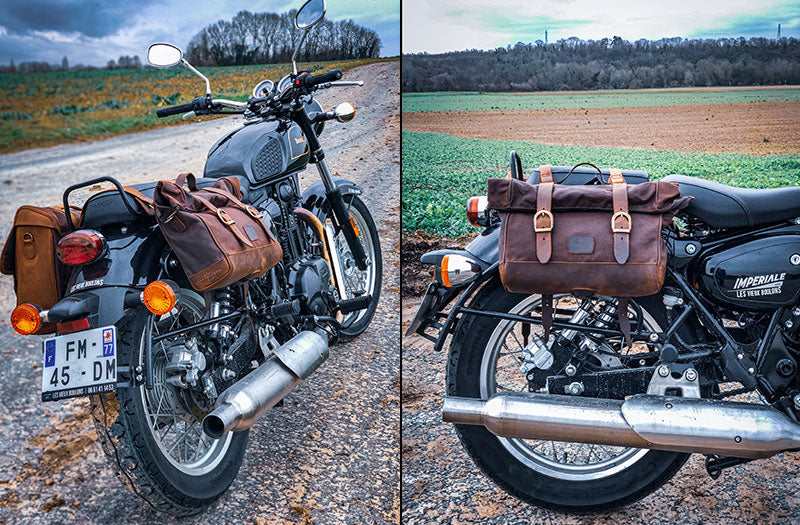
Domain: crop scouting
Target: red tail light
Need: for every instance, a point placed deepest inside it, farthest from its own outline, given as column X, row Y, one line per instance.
column 69, row 327
column 80, row 247
column 477, row 211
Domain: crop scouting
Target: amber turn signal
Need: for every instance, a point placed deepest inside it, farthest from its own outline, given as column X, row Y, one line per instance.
column 26, row 319
column 159, row 297
column 355, row 227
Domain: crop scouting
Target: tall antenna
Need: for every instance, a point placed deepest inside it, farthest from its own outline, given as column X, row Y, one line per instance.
column 545, row 34
column 779, row 31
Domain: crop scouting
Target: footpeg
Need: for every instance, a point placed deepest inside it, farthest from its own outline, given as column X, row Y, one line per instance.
column 285, row 309
column 347, row 306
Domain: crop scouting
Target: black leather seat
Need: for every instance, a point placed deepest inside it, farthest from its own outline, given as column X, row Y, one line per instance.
column 724, row 206
column 106, row 208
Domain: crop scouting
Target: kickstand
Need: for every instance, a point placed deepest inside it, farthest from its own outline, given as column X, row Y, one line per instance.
column 716, row 464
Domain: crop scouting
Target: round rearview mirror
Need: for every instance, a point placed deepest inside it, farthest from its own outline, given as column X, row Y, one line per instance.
column 345, row 112
column 312, row 12
column 164, row 55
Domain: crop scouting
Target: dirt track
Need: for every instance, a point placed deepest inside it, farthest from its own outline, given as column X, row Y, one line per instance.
column 330, row 455
column 752, row 128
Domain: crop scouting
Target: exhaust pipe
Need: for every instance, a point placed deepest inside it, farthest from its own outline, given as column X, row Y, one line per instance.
column 240, row 406
column 679, row 424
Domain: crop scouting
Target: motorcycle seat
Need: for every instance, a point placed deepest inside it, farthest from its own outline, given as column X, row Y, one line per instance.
column 723, row 206
column 106, row 208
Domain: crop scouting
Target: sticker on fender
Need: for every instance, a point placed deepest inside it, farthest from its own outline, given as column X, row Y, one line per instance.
column 80, row 364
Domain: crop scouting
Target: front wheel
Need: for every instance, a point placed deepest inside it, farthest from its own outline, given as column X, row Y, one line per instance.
column 486, row 357
column 360, row 282
column 154, row 437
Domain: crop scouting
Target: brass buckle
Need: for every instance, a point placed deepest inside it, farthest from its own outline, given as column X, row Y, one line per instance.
column 254, row 213
column 536, row 218
column 614, row 217
column 224, row 217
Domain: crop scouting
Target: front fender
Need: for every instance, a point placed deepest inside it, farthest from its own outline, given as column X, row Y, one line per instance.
column 315, row 200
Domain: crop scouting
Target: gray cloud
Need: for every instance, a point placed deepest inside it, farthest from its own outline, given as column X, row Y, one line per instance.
column 93, row 18
column 94, row 31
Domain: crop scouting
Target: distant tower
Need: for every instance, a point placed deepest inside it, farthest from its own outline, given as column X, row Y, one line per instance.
column 545, row 34
column 779, row 31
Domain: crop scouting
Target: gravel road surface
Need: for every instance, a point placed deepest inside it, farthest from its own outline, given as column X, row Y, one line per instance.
column 330, row 455
column 442, row 485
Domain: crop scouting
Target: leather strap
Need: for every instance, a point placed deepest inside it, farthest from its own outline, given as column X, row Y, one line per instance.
column 252, row 211
column 144, row 201
column 621, row 220
column 543, row 220
column 230, row 225
column 624, row 322
column 187, row 177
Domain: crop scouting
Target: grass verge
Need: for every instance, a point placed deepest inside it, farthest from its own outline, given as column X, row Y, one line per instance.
column 440, row 172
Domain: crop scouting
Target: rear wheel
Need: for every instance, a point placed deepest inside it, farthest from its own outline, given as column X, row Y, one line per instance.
column 569, row 477
column 155, row 437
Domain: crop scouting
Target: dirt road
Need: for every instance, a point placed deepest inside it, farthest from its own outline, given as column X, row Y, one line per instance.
column 330, row 455
column 760, row 128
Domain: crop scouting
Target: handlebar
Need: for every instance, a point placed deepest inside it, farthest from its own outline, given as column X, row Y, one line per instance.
column 197, row 104
column 308, row 80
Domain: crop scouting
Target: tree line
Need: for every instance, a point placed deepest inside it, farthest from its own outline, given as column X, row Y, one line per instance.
column 249, row 38
column 575, row 64
column 263, row 38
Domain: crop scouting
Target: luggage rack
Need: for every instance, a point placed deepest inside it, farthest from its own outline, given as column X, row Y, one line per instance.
column 126, row 199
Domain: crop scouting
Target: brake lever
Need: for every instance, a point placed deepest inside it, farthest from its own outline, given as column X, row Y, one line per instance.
column 344, row 83
column 187, row 115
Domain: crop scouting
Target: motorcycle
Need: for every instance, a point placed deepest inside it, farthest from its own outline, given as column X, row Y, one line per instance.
column 577, row 424
column 185, row 376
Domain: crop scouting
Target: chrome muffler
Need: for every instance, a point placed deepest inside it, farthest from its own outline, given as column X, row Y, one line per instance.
column 679, row 424
column 240, row 406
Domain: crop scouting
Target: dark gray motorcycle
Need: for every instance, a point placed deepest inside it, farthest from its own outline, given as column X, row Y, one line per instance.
column 577, row 424
column 182, row 376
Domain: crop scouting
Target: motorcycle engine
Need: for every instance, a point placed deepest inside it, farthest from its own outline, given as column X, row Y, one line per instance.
column 308, row 278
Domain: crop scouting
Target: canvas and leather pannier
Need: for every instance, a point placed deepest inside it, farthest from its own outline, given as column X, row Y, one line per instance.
column 29, row 254
column 589, row 239
column 217, row 239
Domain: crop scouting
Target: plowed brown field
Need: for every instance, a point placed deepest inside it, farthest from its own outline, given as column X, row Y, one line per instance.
column 760, row 128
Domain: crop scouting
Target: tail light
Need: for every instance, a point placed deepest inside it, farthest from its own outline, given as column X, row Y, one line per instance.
column 80, row 247
column 456, row 270
column 26, row 319
column 477, row 211
column 159, row 297
column 70, row 327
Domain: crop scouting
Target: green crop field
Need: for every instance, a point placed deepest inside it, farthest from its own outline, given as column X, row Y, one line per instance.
column 42, row 109
column 459, row 101
column 441, row 172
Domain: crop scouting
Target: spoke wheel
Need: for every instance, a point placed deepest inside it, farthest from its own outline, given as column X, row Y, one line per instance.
column 500, row 371
column 174, row 420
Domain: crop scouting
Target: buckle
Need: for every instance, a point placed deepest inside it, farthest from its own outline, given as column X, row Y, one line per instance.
column 254, row 213
column 224, row 217
column 536, row 218
column 623, row 215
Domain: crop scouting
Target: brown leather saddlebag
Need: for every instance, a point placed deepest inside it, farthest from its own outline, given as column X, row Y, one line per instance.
column 218, row 239
column 585, row 239
column 29, row 255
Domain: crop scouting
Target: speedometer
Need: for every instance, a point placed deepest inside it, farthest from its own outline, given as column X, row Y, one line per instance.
column 284, row 83
column 263, row 88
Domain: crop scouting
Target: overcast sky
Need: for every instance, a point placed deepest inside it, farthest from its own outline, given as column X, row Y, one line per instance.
column 441, row 26
column 94, row 31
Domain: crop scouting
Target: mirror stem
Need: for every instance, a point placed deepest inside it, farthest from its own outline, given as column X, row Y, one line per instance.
column 297, row 50
column 199, row 74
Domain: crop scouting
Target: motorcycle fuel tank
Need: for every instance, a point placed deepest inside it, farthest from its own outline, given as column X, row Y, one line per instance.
column 758, row 273
column 260, row 151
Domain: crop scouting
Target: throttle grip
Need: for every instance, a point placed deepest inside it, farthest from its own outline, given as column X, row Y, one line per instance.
column 310, row 80
column 174, row 110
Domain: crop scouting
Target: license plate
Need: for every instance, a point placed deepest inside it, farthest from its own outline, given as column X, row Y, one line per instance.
column 80, row 364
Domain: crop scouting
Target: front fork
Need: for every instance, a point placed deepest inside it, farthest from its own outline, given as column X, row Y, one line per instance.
column 333, row 193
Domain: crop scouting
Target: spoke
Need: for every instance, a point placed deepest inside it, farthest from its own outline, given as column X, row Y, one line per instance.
column 183, row 436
